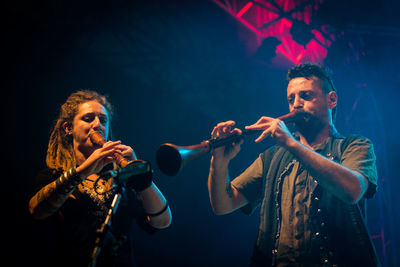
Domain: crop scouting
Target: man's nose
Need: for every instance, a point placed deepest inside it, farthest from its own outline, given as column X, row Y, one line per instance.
column 298, row 103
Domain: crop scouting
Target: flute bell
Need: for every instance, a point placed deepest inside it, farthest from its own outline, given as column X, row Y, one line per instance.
column 172, row 158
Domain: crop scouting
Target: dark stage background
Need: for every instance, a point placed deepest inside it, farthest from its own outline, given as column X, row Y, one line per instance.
column 173, row 69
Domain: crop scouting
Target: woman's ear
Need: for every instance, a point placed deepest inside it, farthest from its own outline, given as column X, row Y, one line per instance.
column 67, row 128
column 332, row 99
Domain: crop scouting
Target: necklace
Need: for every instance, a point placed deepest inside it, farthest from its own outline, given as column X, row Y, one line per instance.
column 98, row 190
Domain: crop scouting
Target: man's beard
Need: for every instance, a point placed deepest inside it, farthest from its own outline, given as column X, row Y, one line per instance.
column 307, row 124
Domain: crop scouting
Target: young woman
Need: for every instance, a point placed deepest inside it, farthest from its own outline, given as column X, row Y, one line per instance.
column 71, row 198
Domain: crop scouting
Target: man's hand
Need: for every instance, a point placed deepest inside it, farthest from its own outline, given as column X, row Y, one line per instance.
column 222, row 130
column 274, row 128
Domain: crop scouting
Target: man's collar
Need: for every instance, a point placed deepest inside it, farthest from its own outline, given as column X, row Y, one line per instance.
column 332, row 134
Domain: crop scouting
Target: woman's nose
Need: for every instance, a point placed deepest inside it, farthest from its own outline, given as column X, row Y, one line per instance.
column 96, row 123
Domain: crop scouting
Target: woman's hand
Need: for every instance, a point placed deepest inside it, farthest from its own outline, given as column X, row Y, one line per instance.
column 126, row 151
column 99, row 158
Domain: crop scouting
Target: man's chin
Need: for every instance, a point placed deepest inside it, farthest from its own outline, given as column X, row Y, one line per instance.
column 307, row 123
column 303, row 118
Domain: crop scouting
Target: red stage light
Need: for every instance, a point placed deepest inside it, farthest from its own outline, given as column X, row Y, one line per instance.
column 287, row 21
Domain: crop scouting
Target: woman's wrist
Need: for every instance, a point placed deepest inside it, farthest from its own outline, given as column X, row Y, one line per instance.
column 67, row 181
column 80, row 172
column 154, row 214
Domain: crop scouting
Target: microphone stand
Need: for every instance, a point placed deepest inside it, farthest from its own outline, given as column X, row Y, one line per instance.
column 123, row 175
column 102, row 230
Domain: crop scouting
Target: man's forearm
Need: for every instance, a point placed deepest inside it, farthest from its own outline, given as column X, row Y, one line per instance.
column 341, row 181
column 223, row 197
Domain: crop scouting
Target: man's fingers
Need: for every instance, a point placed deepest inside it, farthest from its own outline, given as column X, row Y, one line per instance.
column 236, row 131
column 226, row 124
column 222, row 129
column 264, row 134
column 262, row 126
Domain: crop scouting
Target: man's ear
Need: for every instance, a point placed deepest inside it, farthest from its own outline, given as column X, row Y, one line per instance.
column 67, row 127
column 332, row 99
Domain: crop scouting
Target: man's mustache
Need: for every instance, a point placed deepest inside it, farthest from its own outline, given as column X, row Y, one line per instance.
column 303, row 116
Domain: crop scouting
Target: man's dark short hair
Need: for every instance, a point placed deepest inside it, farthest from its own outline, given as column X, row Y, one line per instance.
column 308, row 70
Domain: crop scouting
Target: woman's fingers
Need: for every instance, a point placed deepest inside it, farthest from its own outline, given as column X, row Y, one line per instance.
column 111, row 144
column 126, row 151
